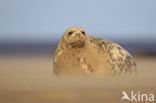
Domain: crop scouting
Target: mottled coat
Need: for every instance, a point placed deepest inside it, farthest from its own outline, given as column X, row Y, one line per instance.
column 78, row 53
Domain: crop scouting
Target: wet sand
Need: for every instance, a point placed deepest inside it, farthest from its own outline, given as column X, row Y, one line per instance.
column 29, row 79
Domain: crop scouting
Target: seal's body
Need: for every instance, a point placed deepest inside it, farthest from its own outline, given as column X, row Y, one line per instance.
column 78, row 53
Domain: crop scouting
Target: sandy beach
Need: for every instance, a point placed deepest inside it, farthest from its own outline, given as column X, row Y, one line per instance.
column 29, row 79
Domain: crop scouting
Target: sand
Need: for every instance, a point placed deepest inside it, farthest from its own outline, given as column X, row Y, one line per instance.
column 29, row 79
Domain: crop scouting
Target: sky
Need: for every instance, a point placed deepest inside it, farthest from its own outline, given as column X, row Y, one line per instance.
column 47, row 20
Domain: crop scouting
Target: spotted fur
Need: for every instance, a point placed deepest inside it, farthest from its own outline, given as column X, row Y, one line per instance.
column 120, row 60
column 80, row 53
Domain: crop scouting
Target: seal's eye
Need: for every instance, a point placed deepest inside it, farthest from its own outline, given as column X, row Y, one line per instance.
column 70, row 33
column 83, row 32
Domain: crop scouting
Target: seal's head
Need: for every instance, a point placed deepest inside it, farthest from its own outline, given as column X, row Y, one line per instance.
column 75, row 37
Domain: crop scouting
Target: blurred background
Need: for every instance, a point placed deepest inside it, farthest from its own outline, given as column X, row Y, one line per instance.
column 36, row 26
column 30, row 31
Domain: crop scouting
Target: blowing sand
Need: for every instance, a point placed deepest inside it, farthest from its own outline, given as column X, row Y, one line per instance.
column 29, row 79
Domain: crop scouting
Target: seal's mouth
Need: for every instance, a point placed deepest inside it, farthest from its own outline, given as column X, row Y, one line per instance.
column 77, row 44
